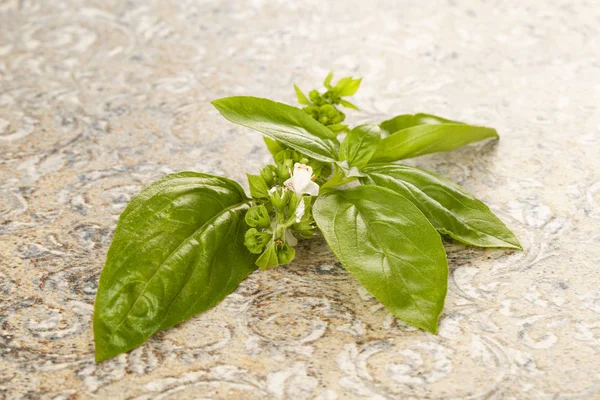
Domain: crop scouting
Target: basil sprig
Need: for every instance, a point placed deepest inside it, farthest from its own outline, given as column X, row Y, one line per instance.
column 187, row 241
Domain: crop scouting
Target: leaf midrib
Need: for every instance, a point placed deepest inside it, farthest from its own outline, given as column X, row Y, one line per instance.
column 411, row 140
column 185, row 241
column 413, row 188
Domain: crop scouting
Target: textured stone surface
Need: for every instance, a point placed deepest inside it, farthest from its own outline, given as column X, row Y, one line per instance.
column 100, row 98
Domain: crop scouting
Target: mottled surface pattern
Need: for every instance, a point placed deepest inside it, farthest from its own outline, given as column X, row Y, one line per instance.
column 100, row 98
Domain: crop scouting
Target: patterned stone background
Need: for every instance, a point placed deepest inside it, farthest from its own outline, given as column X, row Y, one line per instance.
column 100, row 98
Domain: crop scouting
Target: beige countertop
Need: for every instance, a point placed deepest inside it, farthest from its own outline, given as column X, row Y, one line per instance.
column 100, row 98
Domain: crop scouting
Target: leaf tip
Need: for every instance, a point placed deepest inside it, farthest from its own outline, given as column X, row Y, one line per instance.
column 100, row 355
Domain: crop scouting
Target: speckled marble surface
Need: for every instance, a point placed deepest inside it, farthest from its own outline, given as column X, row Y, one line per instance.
column 100, row 98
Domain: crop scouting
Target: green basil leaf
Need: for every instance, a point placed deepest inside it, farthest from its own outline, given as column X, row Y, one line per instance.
column 388, row 245
column 450, row 209
column 288, row 125
column 328, row 78
column 423, row 134
column 409, row 120
column 347, row 104
column 302, row 99
column 348, row 86
column 258, row 186
column 359, row 145
column 178, row 250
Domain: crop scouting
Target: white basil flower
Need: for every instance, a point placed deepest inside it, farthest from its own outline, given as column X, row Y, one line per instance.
column 301, row 181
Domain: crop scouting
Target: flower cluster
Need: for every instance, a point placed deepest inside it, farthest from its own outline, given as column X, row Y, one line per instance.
column 322, row 106
column 283, row 196
column 283, row 193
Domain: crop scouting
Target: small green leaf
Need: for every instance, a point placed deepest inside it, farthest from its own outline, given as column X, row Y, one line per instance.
column 258, row 186
column 268, row 259
column 302, row 99
column 359, row 145
column 387, row 244
column 327, row 82
column 178, row 250
column 450, row 209
column 425, row 137
column 348, row 86
column 285, row 253
column 288, row 125
column 347, row 104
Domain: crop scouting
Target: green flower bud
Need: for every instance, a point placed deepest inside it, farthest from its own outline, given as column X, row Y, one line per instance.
column 313, row 111
column 315, row 97
column 285, row 253
column 283, row 172
column 325, row 109
column 328, row 110
column 324, row 120
column 337, row 119
column 286, row 155
column 331, row 97
column 268, row 259
column 255, row 241
column 269, row 174
column 279, row 197
column 258, row 216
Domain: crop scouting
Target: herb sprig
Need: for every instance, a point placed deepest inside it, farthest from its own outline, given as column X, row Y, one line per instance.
column 188, row 240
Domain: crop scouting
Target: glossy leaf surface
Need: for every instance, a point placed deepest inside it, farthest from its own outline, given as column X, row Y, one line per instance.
column 449, row 208
column 388, row 245
column 288, row 125
column 177, row 251
column 359, row 145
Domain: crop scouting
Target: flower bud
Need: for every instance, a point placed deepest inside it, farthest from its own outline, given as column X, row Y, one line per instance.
column 258, row 216
column 286, row 155
column 315, row 97
column 328, row 110
column 279, row 197
column 283, row 172
column 313, row 111
column 255, row 241
column 269, row 173
column 285, row 253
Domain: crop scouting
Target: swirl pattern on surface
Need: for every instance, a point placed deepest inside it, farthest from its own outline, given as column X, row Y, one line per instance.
column 100, row 98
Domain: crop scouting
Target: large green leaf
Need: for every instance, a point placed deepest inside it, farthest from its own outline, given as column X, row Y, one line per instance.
column 419, row 134
column 359, row 145
column 178, row 250
column 388, row 245
column 285, row 124
column 449, row 208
